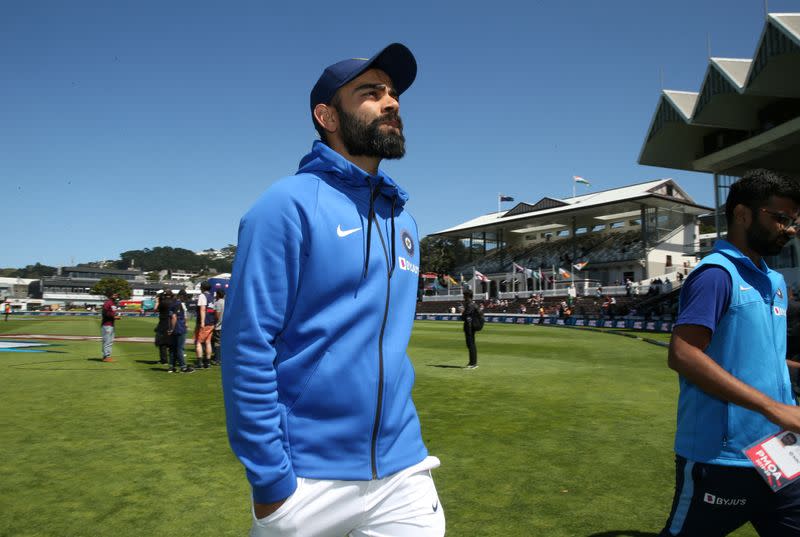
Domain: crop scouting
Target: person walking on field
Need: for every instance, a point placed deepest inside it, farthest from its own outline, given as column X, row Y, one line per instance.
column 108, row 317
column 316, row 376
column 470, row 316
column 728, row 347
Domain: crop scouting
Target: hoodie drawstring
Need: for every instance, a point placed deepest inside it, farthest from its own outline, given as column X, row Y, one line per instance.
column 373, row 193
column 394, row 257
column 370, row 217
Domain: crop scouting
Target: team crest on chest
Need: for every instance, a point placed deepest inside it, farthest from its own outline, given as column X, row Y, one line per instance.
column 408, row 242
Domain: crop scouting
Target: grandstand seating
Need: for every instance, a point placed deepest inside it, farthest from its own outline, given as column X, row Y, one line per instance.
column 592, row 247
column 584, row 306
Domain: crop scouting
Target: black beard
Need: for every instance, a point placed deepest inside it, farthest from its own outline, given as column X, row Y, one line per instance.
column 758, row 240
column 366, row 140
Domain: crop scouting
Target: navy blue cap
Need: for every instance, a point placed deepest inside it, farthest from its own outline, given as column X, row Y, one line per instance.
column 395, row 60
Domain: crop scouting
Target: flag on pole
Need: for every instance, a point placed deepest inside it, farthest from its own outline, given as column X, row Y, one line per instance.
column 519, row 268
column 537, row 274
column 506, row 198
column 450, row 279
column 579, row 179
column 481, row 277
column 563, row 273
column 580, row 265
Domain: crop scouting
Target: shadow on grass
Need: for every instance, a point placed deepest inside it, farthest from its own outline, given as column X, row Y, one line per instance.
column 445, row 366
column 149, row 362
column 624, row 533
column 94, row 359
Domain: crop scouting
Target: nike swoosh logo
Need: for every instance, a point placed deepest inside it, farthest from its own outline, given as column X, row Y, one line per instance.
column 741, row 288
column 345, row 233
column 435, row 506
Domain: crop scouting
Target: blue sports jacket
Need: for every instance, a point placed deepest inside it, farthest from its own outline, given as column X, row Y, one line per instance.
column 319, row 312
column 749, row 343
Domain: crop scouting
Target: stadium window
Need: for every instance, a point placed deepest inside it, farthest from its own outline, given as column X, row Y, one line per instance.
column 563, row 233
column 581, row 230
column 635, row 222
column 599, row 227
column 617, row 225
column 669, row 261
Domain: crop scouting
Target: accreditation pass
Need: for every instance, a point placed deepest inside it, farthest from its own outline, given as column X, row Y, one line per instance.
column 777, row 458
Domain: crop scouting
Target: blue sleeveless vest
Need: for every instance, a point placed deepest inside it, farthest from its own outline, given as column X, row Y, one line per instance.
column 749, row 343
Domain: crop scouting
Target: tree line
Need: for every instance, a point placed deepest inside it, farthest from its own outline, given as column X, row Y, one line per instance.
column 169, row 258
column 147, row 259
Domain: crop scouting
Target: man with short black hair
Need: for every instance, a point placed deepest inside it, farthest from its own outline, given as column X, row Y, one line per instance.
column 729, row 348
column 468, row 315
column 320, row 308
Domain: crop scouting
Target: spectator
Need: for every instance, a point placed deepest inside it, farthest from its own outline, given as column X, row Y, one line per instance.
column 219, row 309
column 163, row 340
column 177, row 350
column 204, row 327
column 109, row 316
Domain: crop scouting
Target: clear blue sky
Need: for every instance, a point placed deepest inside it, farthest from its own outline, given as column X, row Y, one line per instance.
column 126, row 125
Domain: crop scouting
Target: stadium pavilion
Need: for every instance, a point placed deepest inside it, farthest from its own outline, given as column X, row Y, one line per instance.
column 746, row 115
column 636, row 232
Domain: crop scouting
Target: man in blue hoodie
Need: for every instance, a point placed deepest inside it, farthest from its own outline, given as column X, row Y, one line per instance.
column 729, row 348
column 316, row 378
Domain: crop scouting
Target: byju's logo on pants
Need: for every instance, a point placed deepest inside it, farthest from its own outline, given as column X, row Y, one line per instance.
column 728, row 502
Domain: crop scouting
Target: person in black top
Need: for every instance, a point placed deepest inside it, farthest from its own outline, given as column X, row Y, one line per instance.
column 164, row 307
column 470, row 310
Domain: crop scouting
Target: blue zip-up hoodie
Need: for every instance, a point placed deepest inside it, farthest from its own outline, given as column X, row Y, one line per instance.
column 319, row 312
column 749, row 343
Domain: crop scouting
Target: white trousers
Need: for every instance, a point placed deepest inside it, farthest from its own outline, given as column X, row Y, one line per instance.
column 404, row 504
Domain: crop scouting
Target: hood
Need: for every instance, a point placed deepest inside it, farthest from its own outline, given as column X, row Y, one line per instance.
column 323, row 159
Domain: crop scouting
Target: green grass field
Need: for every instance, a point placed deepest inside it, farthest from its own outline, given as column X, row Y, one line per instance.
column 560, row 432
